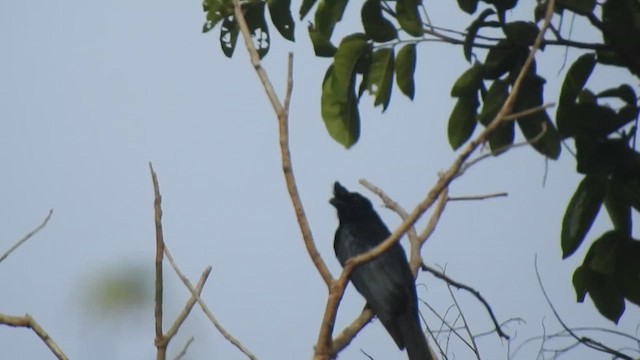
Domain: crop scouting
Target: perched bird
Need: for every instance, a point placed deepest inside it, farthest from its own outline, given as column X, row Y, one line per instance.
column 386, row 282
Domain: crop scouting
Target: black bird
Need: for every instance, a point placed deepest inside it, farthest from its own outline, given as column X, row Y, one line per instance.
column 386, row 282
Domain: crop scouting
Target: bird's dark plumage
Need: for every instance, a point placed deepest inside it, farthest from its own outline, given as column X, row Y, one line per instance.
column 386, row 282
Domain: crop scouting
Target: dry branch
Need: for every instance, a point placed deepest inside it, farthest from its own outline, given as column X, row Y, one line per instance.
column 27, row 321
column 27, row 237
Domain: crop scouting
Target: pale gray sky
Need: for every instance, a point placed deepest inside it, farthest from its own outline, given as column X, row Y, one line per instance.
column 90, row 92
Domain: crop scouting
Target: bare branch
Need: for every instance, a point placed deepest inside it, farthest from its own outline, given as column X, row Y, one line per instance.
column 27, row 237
column 157, row 206
column 473, row 346
column 478, row 197
column 474, row 292
column 580, row 339
column 206, row 310
column 183, row 352
column 283, row 119
column 189, row 305
column 27, row 321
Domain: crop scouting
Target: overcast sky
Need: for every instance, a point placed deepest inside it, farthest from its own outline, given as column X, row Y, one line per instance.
column 90, row 92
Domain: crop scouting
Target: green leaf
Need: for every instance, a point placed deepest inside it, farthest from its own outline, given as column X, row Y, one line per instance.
column 229, row 35
column 280, row 11
column 462, row 120
column 624, row 92
column 574, row 81
column 621, row 19
column 496, row 96
column 405, row 68
column 472, row 32
column 581, row 212
column 537, row 123
column 468, row 6
column 381, row 76
column 602, row 256
column 409, row 17
column 503, row 57
column 580, row 7
column 628, row 270
column 618, row 207
column 581, row 282
column 521, row 32
column 321, row 44
column 375, row 25
column 215, row 13
column 606, row 296
column 501, row 138
column 351, row 48
column 340, row 113
column 469, row 82
column 305, row 7
column 254, row 15
column 328, row 14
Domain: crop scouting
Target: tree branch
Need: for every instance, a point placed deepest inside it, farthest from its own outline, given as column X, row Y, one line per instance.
column 157, row 206
column 27, row 321
column 282, row 112
column 27, row 237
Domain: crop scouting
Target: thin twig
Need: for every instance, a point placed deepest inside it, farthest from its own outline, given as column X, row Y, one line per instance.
column 474, row 292
column 530, row 111
column 27, row 321
column 189, row 305
column 183, row 352
column 581, row 339
column 473, row 346
column 478, row 197
column 27, row 237
column 235, row 342
column 283, row 119
column 157, row 206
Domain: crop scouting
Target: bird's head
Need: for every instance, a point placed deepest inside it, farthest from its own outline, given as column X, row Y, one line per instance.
column 350, row 205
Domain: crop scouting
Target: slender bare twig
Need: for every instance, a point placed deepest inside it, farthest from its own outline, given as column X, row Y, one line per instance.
column 29, row 322
column 173, row 330
column 590, row 343
column 183, row 352
column 27, row 237
column 157, row 206
column 473, row 345
column 282, row 112
column 474, row 292
column 526, row 112
column 235, row 342
column 478, row 197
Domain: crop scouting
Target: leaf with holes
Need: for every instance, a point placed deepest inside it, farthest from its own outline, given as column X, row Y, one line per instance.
column 229, row 35
column 280, row 11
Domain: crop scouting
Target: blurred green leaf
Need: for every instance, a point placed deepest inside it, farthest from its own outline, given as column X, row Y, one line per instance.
column 496, row 96
column 280, row 11
column 580, row 7
column 618, row 207
column 468, row 6
column 603, row 253
column 628, row 270
column 381, row 76
column 405, row 69
column 469, row 82
column 350, row 50
column 606, row 296
column 581, row 212
column 624, row 92
column 375, row 25
column 581, row 282
column 568, row 123
column 321, row 44
column 462, row 120
column 472, row 32
column 502, row 58
column 305, row 7
column 533, row 125
column 521, row 32
column 409, row 17
column 339, row 112
column 328, row 14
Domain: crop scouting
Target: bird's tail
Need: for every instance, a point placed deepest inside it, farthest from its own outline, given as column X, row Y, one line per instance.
column 414, row 338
